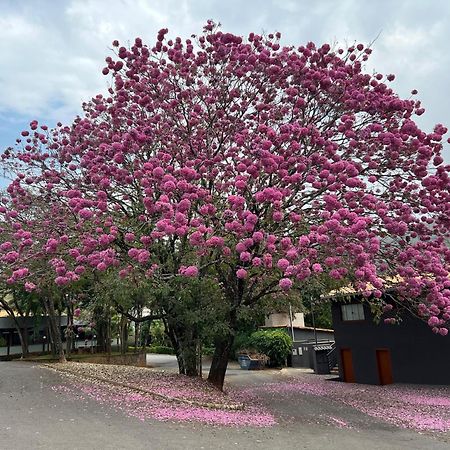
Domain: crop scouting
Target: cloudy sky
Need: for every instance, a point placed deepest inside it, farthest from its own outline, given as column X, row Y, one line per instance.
column 52, row 52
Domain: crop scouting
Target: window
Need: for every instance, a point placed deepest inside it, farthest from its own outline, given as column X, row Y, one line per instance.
column 352, row 312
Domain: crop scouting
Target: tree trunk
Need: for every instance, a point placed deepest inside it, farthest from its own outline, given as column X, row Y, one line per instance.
column 123, row 335
column 219, row 362
column 68, row 345
column 185, row 346
column 137, row 329
column 23, row 336
column 23, row 333
column 55, row 330
column 176, row 346
column 69, row 331
column 180, row 361
column 108, row 335
column 51, row 339
column 101, row 325
column 189, row 354
column 199, row 358
column 136, row 336
column 224, row 344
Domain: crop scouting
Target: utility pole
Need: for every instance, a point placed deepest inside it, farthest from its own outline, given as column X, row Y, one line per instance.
column 292, row 322
column 313, row 320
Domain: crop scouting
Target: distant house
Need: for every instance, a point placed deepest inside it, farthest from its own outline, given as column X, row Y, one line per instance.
column 304, row 338
column 36, row 326
column 301, row 332
column 379, row 353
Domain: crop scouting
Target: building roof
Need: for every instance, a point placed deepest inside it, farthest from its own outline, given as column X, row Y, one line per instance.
column 29, row 322
column 299, row 328
column 350, row 289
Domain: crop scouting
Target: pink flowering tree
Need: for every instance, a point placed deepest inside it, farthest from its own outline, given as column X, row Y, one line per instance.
column 29, row 225
column 264, row 166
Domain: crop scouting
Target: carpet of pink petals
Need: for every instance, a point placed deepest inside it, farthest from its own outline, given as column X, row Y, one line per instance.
column 422, row 408
column 418, row 407
column 144, row 406
column 171, row 385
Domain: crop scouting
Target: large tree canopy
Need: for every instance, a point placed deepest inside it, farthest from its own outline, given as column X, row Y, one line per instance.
column 260, row 165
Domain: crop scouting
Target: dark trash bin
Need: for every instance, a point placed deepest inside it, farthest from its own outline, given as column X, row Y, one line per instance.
column 248, row 363
column 321, row 362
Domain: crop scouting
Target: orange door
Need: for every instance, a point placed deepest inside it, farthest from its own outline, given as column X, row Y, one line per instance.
column 384, row 366
column 347, row 365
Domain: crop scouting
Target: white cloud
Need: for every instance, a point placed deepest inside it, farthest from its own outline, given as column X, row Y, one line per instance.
column 53, row 52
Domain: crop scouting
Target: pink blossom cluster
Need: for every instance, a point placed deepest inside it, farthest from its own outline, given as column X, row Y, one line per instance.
column 190, row 271
column 280, row 165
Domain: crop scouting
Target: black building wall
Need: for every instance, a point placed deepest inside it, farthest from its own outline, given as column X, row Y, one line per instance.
column 302, row 346
column 307, row 334
column 417, row 354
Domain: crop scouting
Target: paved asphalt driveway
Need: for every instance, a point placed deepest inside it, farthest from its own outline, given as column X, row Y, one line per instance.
column 33, row 416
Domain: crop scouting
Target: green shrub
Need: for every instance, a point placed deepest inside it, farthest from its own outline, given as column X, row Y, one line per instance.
column 208, row 351
column 2, row 342
column 241, row 342
column 161, row 350
column 158, row 336
column 276, row 344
